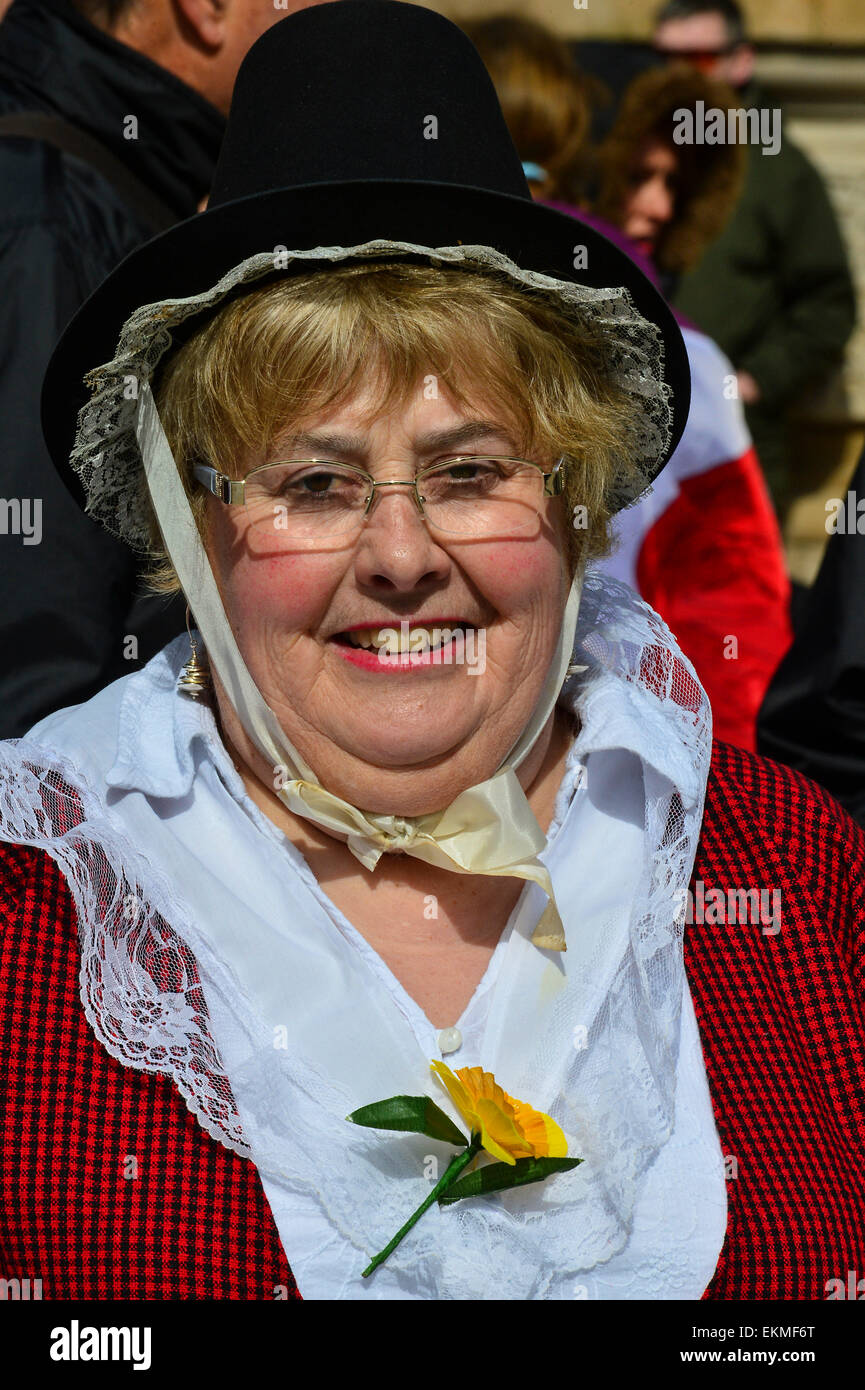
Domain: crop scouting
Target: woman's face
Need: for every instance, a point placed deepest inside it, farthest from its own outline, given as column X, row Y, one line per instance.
column 401, row 737
column 651, row 199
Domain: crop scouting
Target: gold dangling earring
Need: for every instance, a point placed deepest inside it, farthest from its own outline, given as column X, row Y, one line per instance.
column 194, row 680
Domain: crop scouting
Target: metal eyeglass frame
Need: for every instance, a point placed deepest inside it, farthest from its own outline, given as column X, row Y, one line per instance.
column 233, row 490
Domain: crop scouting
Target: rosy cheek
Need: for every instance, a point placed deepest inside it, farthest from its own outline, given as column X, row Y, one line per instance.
column 293, row 590
column 515, row 572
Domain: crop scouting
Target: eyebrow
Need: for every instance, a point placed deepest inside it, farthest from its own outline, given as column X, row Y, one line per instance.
column 354, row 446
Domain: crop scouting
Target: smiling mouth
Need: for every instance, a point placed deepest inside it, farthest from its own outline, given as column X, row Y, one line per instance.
column 393, row 638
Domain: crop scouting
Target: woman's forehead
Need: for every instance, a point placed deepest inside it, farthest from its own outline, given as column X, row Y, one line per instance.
column 429, row 416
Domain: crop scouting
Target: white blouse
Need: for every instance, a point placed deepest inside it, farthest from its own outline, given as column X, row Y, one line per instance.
column 310, row 1023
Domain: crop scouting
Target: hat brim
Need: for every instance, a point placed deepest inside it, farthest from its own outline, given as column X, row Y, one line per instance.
column 189, row 258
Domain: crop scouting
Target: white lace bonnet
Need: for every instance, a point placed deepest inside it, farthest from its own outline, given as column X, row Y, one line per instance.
column 106, row 455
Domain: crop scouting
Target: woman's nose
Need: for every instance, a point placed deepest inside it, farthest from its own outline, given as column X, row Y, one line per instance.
column 657, row 200
column 395, row 547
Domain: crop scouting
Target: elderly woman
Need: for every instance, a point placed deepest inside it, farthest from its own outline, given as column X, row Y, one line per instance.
column 421, row 816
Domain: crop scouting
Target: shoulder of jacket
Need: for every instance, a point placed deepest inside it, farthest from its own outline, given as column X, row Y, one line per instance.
column 34, row 895
column 770, row 178
column 51, row 188
column 29, row 173
column 17, row 865
column 775, row 810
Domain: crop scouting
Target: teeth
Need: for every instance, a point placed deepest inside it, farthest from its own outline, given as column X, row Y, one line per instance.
column 418, row 639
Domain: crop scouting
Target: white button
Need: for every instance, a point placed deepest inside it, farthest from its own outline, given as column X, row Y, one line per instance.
column 450, row 1040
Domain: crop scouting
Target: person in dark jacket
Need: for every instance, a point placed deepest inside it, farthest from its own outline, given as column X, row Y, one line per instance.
column 774, row 290
column 813, row 716
column 150, row 82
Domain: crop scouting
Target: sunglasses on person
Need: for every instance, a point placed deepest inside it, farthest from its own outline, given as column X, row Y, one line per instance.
column 704, row 59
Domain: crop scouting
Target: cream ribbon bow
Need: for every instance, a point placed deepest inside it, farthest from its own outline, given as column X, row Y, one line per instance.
column 488, row 829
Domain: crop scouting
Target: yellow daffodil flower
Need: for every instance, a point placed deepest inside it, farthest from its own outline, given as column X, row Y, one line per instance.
column 528, row 1144
column 509, row 1129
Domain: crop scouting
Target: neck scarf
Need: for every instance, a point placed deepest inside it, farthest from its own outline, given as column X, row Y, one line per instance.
column 488, row 829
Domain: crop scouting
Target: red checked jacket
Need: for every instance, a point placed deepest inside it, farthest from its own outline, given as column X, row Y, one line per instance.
column 780, row 1016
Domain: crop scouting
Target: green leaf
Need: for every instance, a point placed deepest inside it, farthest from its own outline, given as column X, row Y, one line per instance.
column 417, row 1114
column 496, row 1176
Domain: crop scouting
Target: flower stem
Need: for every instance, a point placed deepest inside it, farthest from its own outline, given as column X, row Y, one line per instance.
column 451, row 1173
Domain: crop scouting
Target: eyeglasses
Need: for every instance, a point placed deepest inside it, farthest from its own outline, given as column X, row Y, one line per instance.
column 300, row 501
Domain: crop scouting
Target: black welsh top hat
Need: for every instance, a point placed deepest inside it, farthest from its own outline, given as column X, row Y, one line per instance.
column 351, row 122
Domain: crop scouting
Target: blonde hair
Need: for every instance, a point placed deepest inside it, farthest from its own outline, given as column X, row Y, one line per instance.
column 302, row 344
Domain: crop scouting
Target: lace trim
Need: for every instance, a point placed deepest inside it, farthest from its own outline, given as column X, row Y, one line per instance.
column 106, row 454
column 140, row 986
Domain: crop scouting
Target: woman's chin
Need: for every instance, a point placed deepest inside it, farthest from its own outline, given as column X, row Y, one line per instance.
column 400, row 753
column 402, row 730
column 399, row 773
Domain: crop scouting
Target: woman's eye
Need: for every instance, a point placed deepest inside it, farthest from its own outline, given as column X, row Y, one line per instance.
column 316, row 482
column 321, row 483
column 471, row 470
